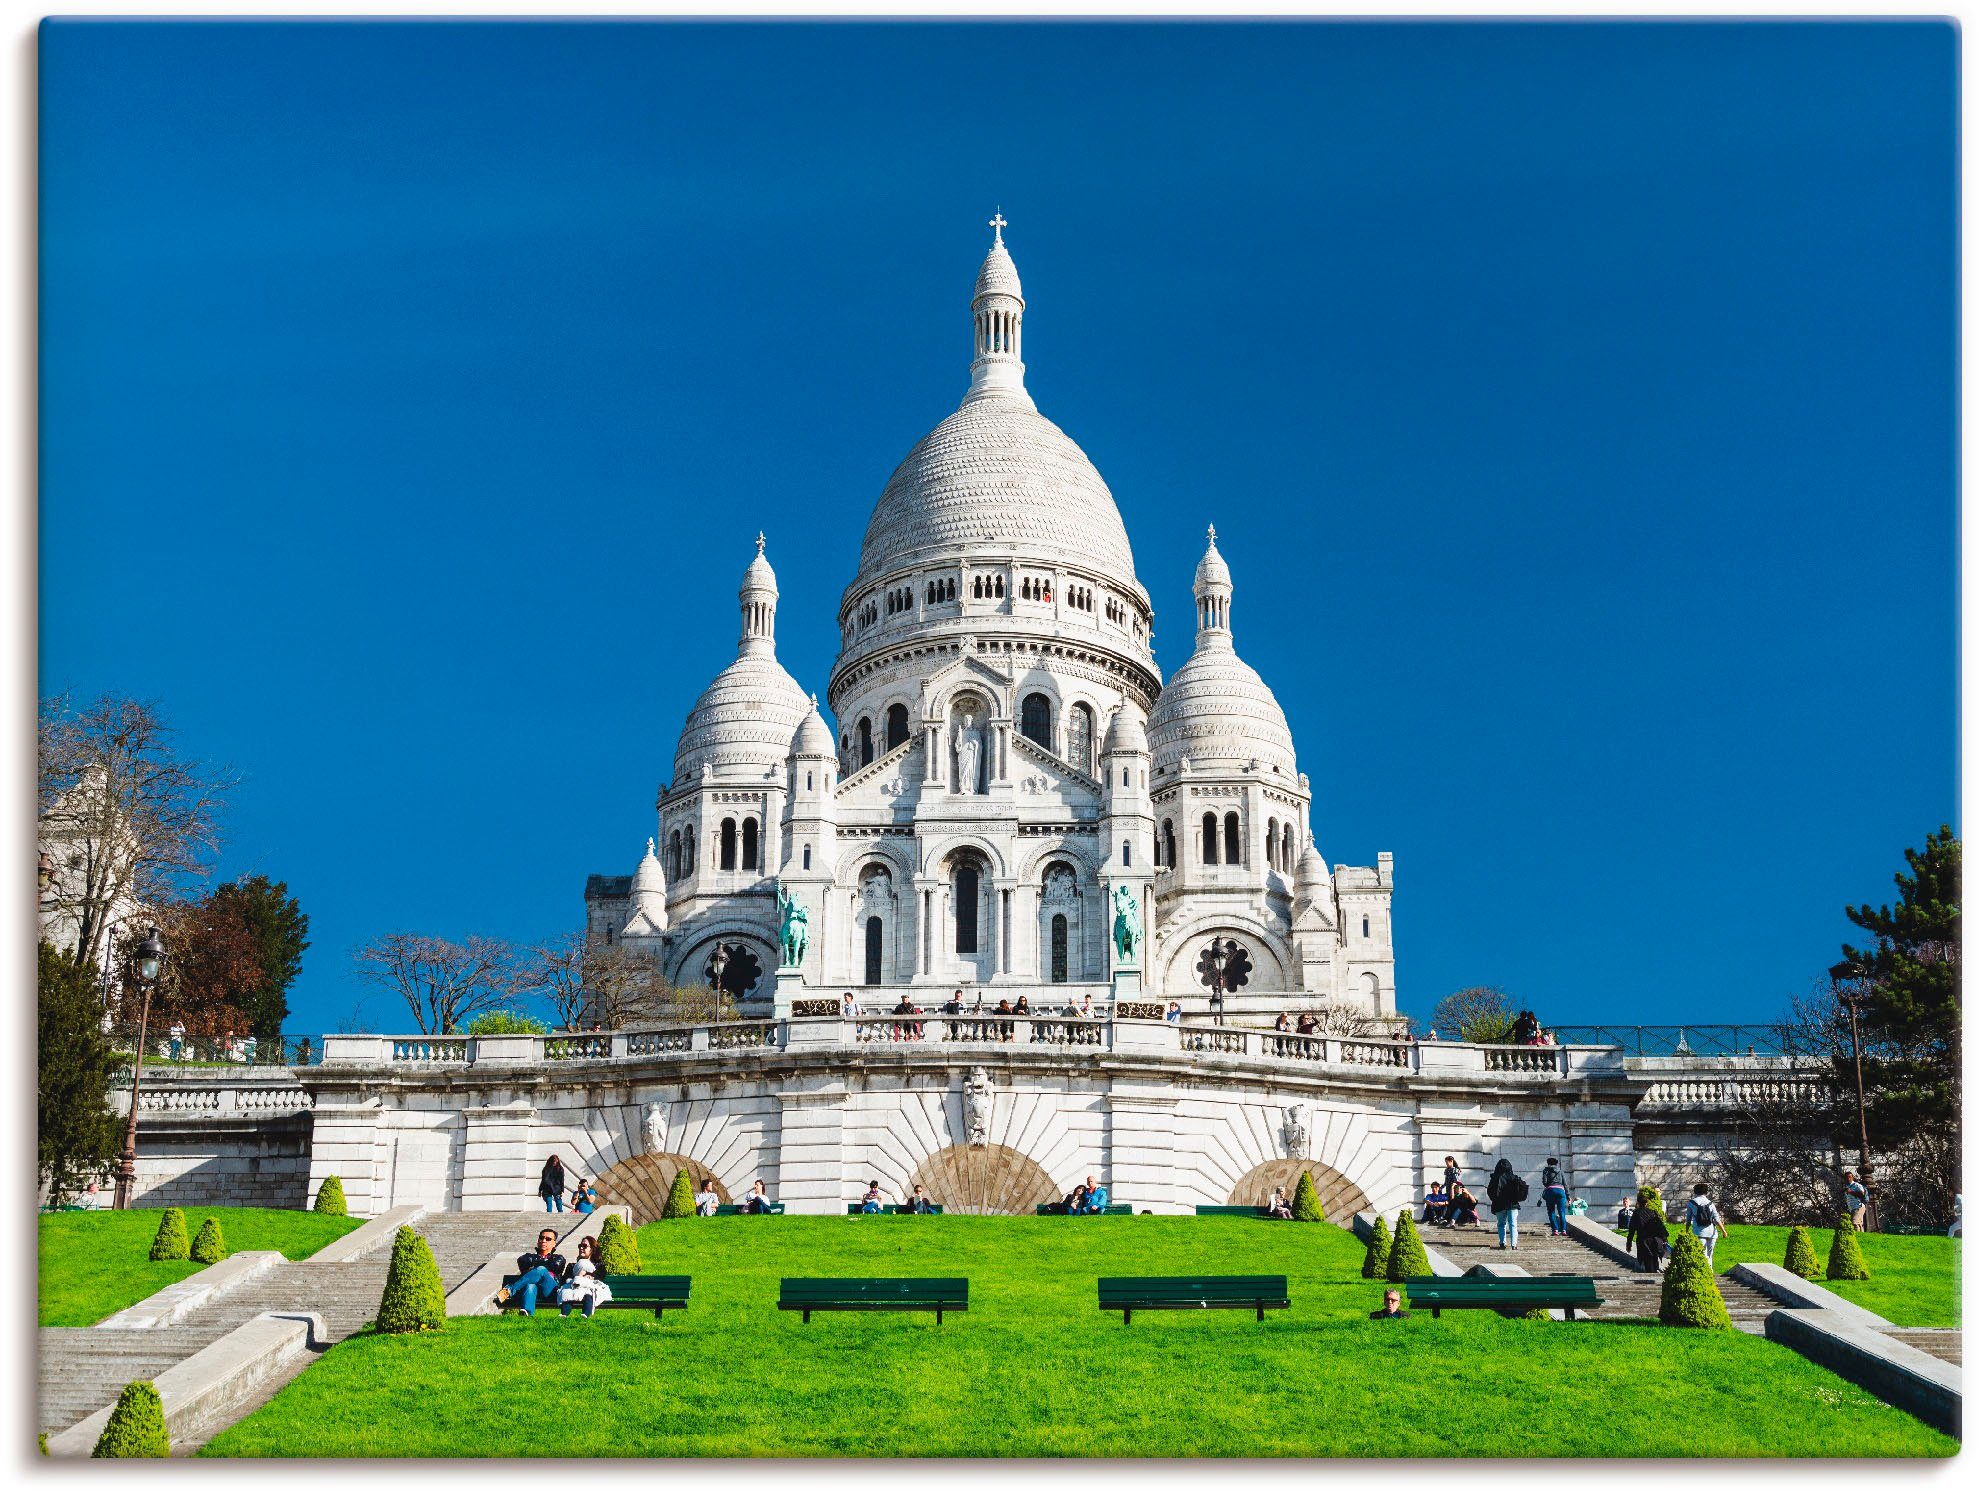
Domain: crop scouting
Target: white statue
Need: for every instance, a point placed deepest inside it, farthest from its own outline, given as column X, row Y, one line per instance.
column 656, row 1128
column 1295, row 1131
column 969, row 752
column 977, row 1108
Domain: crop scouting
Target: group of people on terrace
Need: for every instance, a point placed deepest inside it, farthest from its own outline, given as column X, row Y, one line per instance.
column 1452, row 1203
column 1001, row 1017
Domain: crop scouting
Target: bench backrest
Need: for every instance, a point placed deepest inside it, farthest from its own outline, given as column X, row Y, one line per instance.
column 891, row 1209
column 637, row 1286
column 947, row 1292
column 1563, row 1289
column 1231, row 1211
column 739, row 1209
column 1192, row 1289
column 1112, row 1209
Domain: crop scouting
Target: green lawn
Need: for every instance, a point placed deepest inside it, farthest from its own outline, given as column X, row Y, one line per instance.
column 94, row 1263
column 1034, row 1368
column 1914, row 1280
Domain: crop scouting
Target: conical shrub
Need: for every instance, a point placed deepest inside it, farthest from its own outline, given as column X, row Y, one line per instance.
column 1800, row 1258
column 1648, row 1196
column 1407, row 1258
column 1846, row 1256
column 170, row 1241
column 680, row 1198
column 1307, row 1200
column 413, row 1299
column 136, row 1430
column 1691, row 1296
column 330, row 1198
column 618, row 1248
column 1375, row 1262
column 209, row 1246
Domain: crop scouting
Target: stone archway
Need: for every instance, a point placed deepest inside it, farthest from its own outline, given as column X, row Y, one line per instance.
column 643, row 1182
column 1340, row 1197
column 984, row 1180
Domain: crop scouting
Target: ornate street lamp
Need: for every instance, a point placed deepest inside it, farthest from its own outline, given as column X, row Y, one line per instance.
column 1851, row 996
column 150, row 959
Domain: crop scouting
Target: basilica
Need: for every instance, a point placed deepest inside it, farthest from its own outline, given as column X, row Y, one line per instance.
column 1013, row 800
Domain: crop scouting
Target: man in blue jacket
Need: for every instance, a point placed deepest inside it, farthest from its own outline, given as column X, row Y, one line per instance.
column 1096, row 1201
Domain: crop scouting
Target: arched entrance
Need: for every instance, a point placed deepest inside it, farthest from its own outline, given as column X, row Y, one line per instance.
column 1340, row 1197
column 643, row 1182
column 985, row 1180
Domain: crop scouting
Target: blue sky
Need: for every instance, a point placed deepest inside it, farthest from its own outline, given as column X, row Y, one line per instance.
column 1575, row 404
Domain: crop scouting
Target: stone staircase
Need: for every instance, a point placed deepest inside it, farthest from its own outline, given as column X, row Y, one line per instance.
column 1945, row 1344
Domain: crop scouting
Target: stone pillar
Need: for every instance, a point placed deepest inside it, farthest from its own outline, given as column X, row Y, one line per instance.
column 1004, row 900
column 344, row 1143
column 1025, row 929
column 1441, row 1132
column 495, row 1160
column 1599, row 1152
column 1141, row 1148
column 811, row 1166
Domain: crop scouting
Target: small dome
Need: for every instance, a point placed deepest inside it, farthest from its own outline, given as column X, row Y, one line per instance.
column 1312, row 871
column 813, row 739
column 648, row 876
column 999, row 276
column 1216, row 709
column 1211, row 569
column 744, row 718
column 758, row 576
column 1125, row 734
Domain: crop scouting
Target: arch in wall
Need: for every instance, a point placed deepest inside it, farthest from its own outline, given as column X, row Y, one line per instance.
column 1340, row 1197
column 642, row 1182
column 1272, row 962
column 984, row 1180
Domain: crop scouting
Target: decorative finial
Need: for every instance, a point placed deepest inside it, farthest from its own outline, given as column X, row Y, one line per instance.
column 815, row 701
column 1210, row 535
column 650, row 853
column 998, row 224
column 760, row 542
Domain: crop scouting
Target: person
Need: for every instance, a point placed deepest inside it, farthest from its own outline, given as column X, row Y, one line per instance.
column 538, row 1274
column 1392, row 1307
column 1282, row 1024
column 1437, row 1206
column 848, row 1005
column 1504, row 1193
column 1277, row 1205
column 1651, row 1237
column 303, row 1051
column 1174, row 1014
column 1450, row 1176
column 1431, row 1034
column 1954, row 1231
column 919, row 1203
column 1623, row 1220
column 871, row 1202
column 551, row 1185
column 1004, row 1027
column 903, row 1031
column 248, row 1049
column 1464, row 1207
column 954, row 1004
column 1308, row 1024
column 1577, row 1207
column 582, row 1286
column 178, row 1036
column 1554, row 1196
column 1075, row 1202
column 1524, row 1026
column 1096, row 1199
column 1704, row 1219
column 583, row 1198
column 1022, row 1007
column 1086, row 1006
column 706, row 1200
column 758, row 1202
column 1856, row 1197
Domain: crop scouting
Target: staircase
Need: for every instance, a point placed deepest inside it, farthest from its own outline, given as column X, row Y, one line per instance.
column 1945, row 1344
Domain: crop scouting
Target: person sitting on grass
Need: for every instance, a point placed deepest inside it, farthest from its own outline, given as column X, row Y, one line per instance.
column 872, row 1201
column 1392, row 1307
column 706, row 1200
column 1278, row 1206
column 1464, row 1207
column 919, row 1204
column 1095, row 1201
column 1437, row 1206
column 758, row 1201
column 582, row 1286
column 541, row 1272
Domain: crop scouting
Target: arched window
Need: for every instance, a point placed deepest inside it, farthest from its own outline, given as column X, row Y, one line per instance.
column 688, row 851
column 1125, row 853
column 1169, row 843
column 726, row 857
column 1210, row 838
column 1035, row 720
column 674, row 855
column 897, row 725
column 749, row 843
column 966, row 908
column 1058, row 964
column 1272, row 843
column 1365, row 926
column 873, row 949
column 1080, row 737
column 808, row 856
column 1234, row 851
column 865, row 730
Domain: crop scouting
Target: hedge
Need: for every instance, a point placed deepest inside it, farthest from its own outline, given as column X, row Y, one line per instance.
column 171, row 1243
column 136, row 1430
column 1691, row 1297
column 1375, row 1262
column 1800, row 1259
column 413, row 1299
column 618, row 1248
column 1307, row 1200
column 1407, row 1258
column 680, row 1198
column 330, row 1198
column 209, row 1246
column 1846, row 1257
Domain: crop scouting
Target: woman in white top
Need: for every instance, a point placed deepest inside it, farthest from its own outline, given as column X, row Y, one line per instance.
column 581, row 1285
column 706, row 1200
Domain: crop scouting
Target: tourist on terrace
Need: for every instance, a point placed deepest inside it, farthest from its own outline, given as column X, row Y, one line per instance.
column 919, row 1203
column 872, row 1201
column 1525, row 1027
column 1392, row 1307
column 1651, row 1236
column 1437, row 1207
column 1308, row 1024
column 849, row 1007
column 582, row 1286
column 1174, row 1014
column 1277, row 1205
column 1005, row 1028
column 1022, row 1007
column 903, row 1030
column 540, row 1273
column 550, row 1186
column 706, row 1200
column 954, row 1004
column 1704, row 1219
column 1504, row 1192
column 1283, row 1023
column 583, row 1198
column 1086, row 1006
column 1554, row 1196
column 1095, row 1201
column 1856, row 1197
column 758, row 1201
column 1450, row 1176
column 178, row 1036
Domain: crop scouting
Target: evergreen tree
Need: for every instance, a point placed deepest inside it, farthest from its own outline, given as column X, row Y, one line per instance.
column 1407, row 1258
column 1846, row 1256
column 1691, row 1296
column 618, row 1248
column 280, row 930
column 413, row 1299
column 209, row 1246
column 79, row 1136
column 1307, row 1200
column 136, row 1430
column 680, row 1198
column 330, row 1198
column 1375, row 1262
column 169, row 1243
column 1800, row 1259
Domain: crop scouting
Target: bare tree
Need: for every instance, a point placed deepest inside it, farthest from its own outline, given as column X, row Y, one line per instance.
column 1480, row 1013
column 445, row 984
column 555, row 972
column 1338, row 1018
column 625, row 986
column 125, row 822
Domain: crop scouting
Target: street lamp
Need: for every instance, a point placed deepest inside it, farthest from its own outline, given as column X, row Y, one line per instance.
column 1851, row 997
column 150, row 959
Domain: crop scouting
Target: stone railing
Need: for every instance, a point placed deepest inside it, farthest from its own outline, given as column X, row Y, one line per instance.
column 215, row 1094
column 1728, row 1091
column 987, row 1029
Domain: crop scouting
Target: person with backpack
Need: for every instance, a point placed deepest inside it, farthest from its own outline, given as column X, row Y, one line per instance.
column 1504, row 1193
column 1704, row 1219
column 1554, row 1195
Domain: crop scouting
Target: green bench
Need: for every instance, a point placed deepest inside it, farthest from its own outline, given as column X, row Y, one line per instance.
column 939, row 1295
column 1232, row 1211
column 893, row 1209
column 1112, row 1209
column 1565, row 1292
column 1256, row 1292
column 741, row 1209
column 656, row 1292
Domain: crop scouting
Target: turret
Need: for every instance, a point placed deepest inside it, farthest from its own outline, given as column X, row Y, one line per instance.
column 997, row 310
column 649, row 898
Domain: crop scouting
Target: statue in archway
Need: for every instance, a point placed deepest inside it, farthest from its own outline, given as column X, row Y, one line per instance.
column 655, row 1125
column 1127, row 923
column 1294, row 1131
column 977, row 1108
column 795, row 928
column 969, row 754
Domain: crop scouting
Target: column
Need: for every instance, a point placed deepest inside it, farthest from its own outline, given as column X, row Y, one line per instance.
column 344, row 1143
column 1004, row 928
column 937, row 761
column 495, row 1160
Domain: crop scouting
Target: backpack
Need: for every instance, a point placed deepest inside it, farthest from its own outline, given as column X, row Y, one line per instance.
column 1704, row 1213
column 1516, row 1189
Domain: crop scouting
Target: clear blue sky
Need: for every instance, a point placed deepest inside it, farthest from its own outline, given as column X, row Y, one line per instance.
column 1575, row 404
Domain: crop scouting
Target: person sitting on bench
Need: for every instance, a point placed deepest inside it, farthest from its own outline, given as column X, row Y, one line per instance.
column 872, row 1201
column 919, row 1203
column 1075, row 1200
column 1279, row 1206
column 1437, row 1206
column 1392, row 1307
column 542, row 1271
column 1095, row 1201
column 758, row 1201
column 706, row 1200
column 582, row 1286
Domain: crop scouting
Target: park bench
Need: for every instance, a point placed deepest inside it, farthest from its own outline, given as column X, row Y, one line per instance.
column 739, row 1209
column 655, row 1292
column 1256, row 1292
column 1565, row 1292
column 1232, row 1211
column 1112, row 1209
column 807, row 1295
column 892, row 1209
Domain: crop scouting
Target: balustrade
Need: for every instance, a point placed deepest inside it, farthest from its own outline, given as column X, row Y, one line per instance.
column 427, row 1049
column 1526, row 1060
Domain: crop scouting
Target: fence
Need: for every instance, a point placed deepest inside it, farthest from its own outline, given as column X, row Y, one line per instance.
column 162, row 1048
column 1693, row 1040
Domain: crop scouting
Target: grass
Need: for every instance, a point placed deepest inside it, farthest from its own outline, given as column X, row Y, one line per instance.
column 94, row 1263
column 1034, row 1368
column 1915, row 1280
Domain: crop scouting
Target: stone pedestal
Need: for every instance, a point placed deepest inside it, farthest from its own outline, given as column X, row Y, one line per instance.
column 1127, row 984
column 789, row 986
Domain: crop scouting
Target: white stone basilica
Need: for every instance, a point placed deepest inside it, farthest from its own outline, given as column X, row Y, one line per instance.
column 1013, row 794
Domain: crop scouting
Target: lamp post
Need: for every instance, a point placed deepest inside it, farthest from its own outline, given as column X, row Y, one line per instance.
column 150, row 958
column 1852, row 997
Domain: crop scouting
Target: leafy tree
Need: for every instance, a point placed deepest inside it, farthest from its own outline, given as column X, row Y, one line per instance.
column 505, row 1022
column 280, row 930
column 79, row 1137
column 209, row 1246
column 1800, row 1257
column 680, row 1198
column 1407, row 1258
column 1846, row 1255
column 413, row 1299
column 136, row 1430
column 1307, row 1201
column 169, row 1243
column 330, row 1198
column 1482, row 1013
column 1691, row 1297
column 618, row 1248
column 209, row 979
column 1375, row 1262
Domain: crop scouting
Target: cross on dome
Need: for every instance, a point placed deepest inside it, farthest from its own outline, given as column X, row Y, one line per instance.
column 998, row 224
column 760, row 541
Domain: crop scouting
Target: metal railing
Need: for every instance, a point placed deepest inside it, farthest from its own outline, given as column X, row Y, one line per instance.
column 1693, row 1040
column 163, row 1049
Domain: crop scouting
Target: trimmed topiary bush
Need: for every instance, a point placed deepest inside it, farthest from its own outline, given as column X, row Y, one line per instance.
column 136, row 1430
column 1691, row 1296
column 209, row 1246
column 1375, row 1262
column 170, row 1242
column 1407, row 1258
column 330, row 1198
column 413, row 1299
column 1307, row 1200
column 618, row 1248
column 1846, row 1256
column 680, row 1198
column 1800, row 1259
column 1648, row 1196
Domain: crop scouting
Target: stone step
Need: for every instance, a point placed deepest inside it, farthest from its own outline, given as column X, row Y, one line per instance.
column 1945, row 1344
column 80, row 1368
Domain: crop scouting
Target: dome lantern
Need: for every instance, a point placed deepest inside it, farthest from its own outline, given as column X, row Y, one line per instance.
column 997, row 309
column 758, row 595
column 1213, row 589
